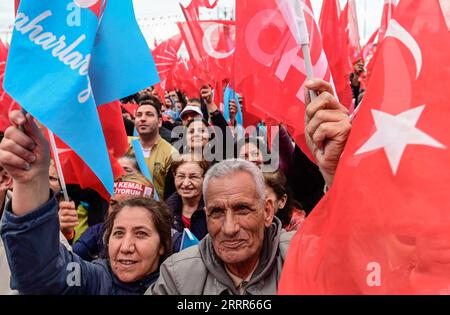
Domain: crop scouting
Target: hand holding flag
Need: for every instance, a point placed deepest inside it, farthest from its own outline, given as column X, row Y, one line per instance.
column 25, row 155
column 326, row 119
column 384, row 224
column 60, row 73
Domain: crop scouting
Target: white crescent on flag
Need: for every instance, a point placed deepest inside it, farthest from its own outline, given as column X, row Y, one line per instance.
column 207, row 44
column 397, row 31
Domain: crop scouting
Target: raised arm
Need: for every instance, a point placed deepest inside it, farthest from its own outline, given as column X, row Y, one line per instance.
column 40, row 264
column 25, row 156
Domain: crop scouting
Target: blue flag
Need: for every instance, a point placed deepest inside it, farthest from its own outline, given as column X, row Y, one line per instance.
column 228, row 95
column 188, row 239
column 142, row 165
column 67, row 57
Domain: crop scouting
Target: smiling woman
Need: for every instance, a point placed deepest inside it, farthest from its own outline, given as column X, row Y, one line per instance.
column 138, row 235
column 138, row 239
column 187, row 202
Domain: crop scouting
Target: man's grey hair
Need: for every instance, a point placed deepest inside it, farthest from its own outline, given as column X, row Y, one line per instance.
column 233, row 166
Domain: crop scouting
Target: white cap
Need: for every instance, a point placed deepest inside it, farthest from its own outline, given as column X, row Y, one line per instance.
column 191, row 109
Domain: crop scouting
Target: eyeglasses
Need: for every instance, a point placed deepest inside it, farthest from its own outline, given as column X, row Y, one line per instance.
column 191, row 178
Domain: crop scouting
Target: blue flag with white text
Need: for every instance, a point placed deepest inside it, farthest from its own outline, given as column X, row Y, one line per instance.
column 228, row 95
column 69, row 56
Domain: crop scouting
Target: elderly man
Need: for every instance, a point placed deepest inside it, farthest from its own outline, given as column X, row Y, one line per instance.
column 245, row 248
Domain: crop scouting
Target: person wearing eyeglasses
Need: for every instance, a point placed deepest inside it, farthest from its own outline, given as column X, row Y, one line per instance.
column 187, row 202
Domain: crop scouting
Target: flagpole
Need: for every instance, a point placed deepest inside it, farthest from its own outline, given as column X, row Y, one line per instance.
column 294, row 16
column 58, row 165
column 304, row 41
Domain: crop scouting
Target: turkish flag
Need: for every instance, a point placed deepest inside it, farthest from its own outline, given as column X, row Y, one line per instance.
column 352, row 27
column 210, row 45
column 185, row 78
column 388, row 12
column 349, row 21
column 269, row 66
column 384, row 226
column 191, row 11
column 336, row 46
column 166, row 58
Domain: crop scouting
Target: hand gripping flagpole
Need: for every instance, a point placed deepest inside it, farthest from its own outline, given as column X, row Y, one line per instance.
column 58, row 165
column 294, row 15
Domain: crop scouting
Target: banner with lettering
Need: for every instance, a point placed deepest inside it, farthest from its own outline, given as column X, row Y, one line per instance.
column 67, row 57
column 269, row 65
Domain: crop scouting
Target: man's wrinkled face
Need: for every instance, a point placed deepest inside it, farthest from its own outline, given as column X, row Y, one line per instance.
column 236, row 220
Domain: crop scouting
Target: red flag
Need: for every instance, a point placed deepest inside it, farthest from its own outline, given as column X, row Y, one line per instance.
column 6, row 102
column 269, row 66
column 78, row 173
column 185, row 78
column 335, row 44
column 113, row 128
column 191, row 11
column 210, row 45
column 16, row 5
column 130, row 108
column 369, row 48
column 166, row 58
column 349, row 19
column 368, row 53
column 388, row 11
column 384, row 226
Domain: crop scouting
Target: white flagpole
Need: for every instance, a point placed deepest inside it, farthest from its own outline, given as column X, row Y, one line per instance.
column 294, row 16
column 58, row 165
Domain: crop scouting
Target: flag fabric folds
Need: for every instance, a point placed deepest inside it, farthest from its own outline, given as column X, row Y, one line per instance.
column 269, row 66
column 166, row 58
column 6, row 102
column 192, row 10
column 67, row 57
column 211, row 46
column 388, row 12
column 336, row 46
column 383, row 228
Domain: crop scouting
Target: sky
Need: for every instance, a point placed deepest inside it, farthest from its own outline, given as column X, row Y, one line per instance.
column 157, row 18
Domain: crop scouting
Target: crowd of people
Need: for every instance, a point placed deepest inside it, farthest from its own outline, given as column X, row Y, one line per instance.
column 209, row 176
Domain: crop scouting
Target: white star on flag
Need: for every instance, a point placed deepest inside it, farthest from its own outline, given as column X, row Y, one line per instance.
column 394, row 133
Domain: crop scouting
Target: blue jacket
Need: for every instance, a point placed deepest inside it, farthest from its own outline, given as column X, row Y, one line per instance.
column 90, row 245
column 41, row 265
